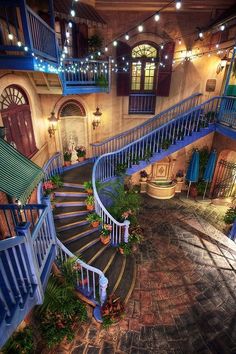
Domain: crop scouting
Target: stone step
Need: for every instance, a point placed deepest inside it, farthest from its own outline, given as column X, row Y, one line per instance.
column 80, row 235
column 66, row 194
column 73, row 185
column 72, row 225
column 70, row 214
column 68, row 204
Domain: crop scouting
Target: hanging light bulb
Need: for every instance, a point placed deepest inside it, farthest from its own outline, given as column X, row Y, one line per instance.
column 222, row 27
column 26, row 49
column 10, row 36
column 166, row 56
column 157, row 17
column 162, row 46
column 217, row 45
column 140, row 28
column 127, row 36
column 180, row 42
column 72, row 12
column 178, row 4
column 200, row 34
column 115, row 43
column 70, row 24
column 19, row 43
column 106, row 49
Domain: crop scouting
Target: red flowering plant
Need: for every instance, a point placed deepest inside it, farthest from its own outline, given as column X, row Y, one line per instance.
column 80, row 150
column 106, row 230
column 48, row 187
column 126, row 214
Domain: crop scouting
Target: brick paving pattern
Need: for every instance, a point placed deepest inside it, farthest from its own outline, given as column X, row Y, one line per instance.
column 184, row 297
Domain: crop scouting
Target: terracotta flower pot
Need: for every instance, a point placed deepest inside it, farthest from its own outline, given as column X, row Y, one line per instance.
column 121, row 250
column 67, row 163
column 81, row 158
column 143, row 179
column 95, row 224
column 90, row 207
column 105, row 239
column 89, row 191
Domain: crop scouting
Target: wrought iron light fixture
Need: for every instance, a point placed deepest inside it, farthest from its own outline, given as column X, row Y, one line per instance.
column 97, row 118
column 52, row 127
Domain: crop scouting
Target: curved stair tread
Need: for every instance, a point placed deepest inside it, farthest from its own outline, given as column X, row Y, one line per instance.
column 120, row 276
column 76, row 235
column 68, row 209
column 70, row 186
column 113, row 271
column 79, row 174
column 106, row 260
column 127, row 282
column 70, row 214
column 72, row 225
column 71, row 195
column 80, row 245
column 90, row 254
column 61, row 220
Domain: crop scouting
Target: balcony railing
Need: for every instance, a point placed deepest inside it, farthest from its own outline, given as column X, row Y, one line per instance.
column 23, row 32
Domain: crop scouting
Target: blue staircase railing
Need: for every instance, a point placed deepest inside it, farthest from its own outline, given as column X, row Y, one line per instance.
column 160, row 142
column 118, row 141
column 95, row 278
column 26, row 258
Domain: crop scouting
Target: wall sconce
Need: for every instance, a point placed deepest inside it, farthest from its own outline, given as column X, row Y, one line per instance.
column 52, row 127
column 97, row 118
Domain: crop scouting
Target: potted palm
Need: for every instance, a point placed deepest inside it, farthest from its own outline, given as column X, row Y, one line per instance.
column 90, row 203
column 105, row 235
column 88, row 186
column 94, row 219
column 67, row 157
column 81, row 152
column 143, row 176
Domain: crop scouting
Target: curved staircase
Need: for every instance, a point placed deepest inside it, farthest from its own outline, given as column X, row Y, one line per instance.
column 75, row 232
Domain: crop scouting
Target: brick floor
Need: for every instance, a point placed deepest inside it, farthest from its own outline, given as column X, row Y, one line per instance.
column 184, row 299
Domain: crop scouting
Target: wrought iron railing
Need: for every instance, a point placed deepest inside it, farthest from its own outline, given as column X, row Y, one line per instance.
column 118, row 141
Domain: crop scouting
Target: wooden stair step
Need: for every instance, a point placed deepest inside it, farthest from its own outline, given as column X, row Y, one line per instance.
column 72, row 225
column 66, row 194
column 68, row 204
column 73, row 185
column 126, row 284
column 79, row 236
column 70, row 214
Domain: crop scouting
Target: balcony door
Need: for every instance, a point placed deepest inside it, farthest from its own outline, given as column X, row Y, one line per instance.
column 142, row 98
column 16, row 117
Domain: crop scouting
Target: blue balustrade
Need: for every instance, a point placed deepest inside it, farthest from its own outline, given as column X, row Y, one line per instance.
column 118, row 141
column 25, row 263
column 161, row 141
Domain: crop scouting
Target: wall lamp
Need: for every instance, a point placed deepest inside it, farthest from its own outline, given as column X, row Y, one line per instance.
column 97, row 118
column 222, row 64
column 52, row 127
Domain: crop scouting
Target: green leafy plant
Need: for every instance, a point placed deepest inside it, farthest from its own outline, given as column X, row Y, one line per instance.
column 60, row 312
column 89, row 200
column 135, row 234
column 126, row 248
column 21, row 342
column 106, row 230
column 88, row 185
column 95, row 43
column 107, row 321
column 67, row 155
column 147, row 155
column 121, row 169
column 102, row 81
column 230, row 215
column 93, row 217
column 200, row 185
column 165, row 144
column 57, row 181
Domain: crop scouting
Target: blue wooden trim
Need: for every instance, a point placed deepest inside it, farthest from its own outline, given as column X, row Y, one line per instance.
column 78, row 164
column 83, row 90
column 17, row 63
column 25, row 24
column 11, row 242
column 226, row 131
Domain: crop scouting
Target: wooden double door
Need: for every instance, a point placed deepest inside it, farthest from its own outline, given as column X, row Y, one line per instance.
column 19, row 129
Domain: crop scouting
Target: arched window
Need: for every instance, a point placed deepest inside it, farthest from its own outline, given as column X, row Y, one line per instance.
column 16, row 116
column 143, row 70
column 72, row 109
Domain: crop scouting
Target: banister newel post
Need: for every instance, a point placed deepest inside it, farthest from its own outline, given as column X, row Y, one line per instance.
column 46, row 201
column 126, row 234
column 103, row 282
column 23, row 230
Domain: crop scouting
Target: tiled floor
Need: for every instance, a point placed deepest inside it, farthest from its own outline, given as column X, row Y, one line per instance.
column 185, row 295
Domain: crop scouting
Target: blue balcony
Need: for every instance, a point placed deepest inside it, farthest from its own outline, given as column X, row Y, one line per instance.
column 28, row 43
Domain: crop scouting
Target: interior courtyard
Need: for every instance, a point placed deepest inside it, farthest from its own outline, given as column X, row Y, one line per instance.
column 117, row 176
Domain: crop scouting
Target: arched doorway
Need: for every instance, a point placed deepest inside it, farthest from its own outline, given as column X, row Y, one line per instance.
column 16, row 116
column 73, row 131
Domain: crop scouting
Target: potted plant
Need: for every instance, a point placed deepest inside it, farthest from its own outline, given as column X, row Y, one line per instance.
column 112, row 311
column 105, row 235
column 88, row 186
column 135, row 237
column 48, row 188
column 165, row 144
column 94, row 219
column 90, row 203
column 81, row 152
column 143, row 176
column 229, row 218
column 67, row 157
column 57, row 181
column 125, row 248
column 180, row 176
